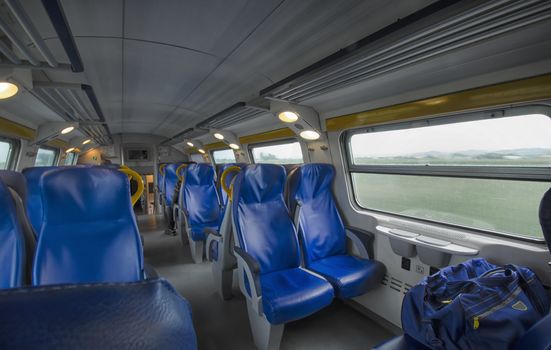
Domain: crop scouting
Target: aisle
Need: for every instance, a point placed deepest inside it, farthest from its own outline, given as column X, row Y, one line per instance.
column 224, row 324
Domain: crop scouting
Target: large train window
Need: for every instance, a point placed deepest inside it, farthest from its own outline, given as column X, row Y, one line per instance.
column 484, row 174
column 46, row 157
column 223, row 156
column 8, row 149
column 288, row 152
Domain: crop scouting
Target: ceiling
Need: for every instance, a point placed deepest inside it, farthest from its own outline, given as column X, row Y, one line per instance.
column 159, row 67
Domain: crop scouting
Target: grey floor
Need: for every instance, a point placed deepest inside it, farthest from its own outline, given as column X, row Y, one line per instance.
column 224, row 324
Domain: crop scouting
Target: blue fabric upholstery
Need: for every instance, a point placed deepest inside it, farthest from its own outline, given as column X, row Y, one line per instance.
column 34, row 197
column 293, row 294
column 200, row 200
column 537, row 337
column 324, row 237
column 229, row 178
column 403, row 342
column 266, row 232
column 142, row 315
column 12, row 242
column 545, row 217
column 170, row 180
column 89, row 232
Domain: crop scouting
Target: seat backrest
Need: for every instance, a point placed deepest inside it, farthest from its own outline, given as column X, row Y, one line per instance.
column 262, row 223
column 34, row 199
column 319, row 223
column 199, row 196
column 170, row 180
column 545, row 217
column 229, row 178
column 12, row 242
column 160, row 177
column 16, row 184
column 89, row 232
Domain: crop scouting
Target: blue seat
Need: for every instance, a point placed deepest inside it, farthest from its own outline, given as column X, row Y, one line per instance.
column 89, row 233
column 277, row 289
column 170, row 180
column 199, row 206
column 12, row 242
column 219, row 246
column 324, row 236
column 141, row 315
column 34, row 199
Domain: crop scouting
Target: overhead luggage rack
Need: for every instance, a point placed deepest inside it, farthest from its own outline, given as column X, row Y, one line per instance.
column 75, row 102
column 24, row 47
column 189, row 133
column 452, row 26
column 235, row 114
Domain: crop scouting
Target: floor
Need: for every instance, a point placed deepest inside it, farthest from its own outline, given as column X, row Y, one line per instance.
column 224, row 324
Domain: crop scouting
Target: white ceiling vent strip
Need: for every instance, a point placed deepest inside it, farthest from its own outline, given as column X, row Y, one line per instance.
column 486, row 21
column 238, row 113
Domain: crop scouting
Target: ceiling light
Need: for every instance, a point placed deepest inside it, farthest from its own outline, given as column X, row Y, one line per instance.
column 202, row 151
column 69, row 150
column 288, row 117
column 67, row 130
column 7, row 90
column 234, row 146
column 189, row 144
column 218, row 135
column 87, row 141
column 310, row 135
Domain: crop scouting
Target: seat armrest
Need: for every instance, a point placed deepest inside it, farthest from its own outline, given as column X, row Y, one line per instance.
column 252, row 270
column 362, row 240
column 150, row 272
column 212, row 236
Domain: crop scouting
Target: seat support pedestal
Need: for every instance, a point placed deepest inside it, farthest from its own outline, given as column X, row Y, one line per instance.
column 266, row 336
column 223, row 279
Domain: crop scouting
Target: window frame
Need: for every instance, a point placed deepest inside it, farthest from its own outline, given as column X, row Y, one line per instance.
column 221, row 149
column 539, row 174
column 13, row 153
column 273, row 143
column 56, row 152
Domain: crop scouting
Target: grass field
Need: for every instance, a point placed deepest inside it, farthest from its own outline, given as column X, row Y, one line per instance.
column 497, row 205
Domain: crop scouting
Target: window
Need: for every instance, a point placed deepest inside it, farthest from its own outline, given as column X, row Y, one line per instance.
column 223, row 156
column 71, row 158
column 197, row 158
column 486, row 174
column 46, row 157
column 281, row 153
column 7, row 153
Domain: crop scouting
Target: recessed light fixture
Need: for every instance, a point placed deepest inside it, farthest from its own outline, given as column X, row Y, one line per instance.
column 288, row 116
column 310, row 135
column 202, row 151
column 234, row 146
column 87, row 141
column 7, row 90
column 67, row 130
column 218, row 135
column 189, row 144
column 69, row 150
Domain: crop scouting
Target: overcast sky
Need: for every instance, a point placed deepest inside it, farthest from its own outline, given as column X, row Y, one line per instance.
column 285, row 151
column 530, row 131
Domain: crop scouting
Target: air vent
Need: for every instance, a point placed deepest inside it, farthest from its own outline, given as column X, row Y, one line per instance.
column 75, row 102
column 237, row 113
column 396, row 284
column 371, row 57
column 189, row 133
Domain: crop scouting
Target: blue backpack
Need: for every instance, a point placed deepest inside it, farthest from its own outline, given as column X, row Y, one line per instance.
column 474, row 305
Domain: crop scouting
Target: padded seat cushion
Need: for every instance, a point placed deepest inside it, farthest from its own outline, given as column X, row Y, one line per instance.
column 350, row 276
column 143, row 315
column 289, row 295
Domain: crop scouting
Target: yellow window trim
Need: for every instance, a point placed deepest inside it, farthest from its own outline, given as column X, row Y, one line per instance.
column 518, row 91
column 16, row 130
column 215, row 145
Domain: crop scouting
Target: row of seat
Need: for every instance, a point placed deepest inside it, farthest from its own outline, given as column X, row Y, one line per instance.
column 88, row 261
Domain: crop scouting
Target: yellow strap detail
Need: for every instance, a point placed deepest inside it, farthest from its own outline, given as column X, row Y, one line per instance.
column 132, row 174
column 476, row 323
column 180, row 176
column 162, row 169
column 228, row 190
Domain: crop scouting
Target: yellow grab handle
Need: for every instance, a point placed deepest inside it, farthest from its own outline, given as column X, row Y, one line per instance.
column 132, row 174
column 162, row 169
column 180, row 176
column 229, row 170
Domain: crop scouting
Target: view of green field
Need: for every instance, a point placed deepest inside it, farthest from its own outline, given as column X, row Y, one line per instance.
column 487, row 204
column 287, row 153
column 4, row 154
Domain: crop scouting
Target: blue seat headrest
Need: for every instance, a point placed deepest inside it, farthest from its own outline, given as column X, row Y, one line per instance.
column 314, row 179
column 199, row 195
column 545, row 217
column 263, row 225
column 170, row 180
column 229, row 178
column 12, row 243
column 89, row 232
column 15, row 181
column 34, row 199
